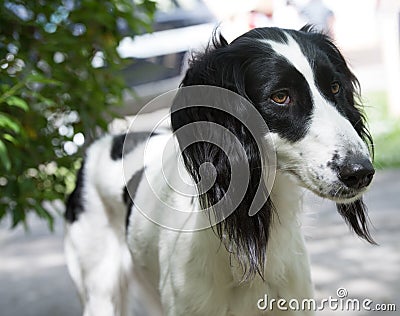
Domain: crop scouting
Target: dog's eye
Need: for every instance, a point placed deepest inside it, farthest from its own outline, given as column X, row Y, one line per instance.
column 335, row 87
column 281, row 97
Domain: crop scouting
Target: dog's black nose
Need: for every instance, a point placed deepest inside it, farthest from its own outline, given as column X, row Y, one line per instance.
column 356, row 173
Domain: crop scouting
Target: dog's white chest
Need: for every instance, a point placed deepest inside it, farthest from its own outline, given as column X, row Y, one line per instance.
column 192, row 273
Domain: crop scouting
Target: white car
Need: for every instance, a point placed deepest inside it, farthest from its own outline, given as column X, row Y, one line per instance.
column 159, row 58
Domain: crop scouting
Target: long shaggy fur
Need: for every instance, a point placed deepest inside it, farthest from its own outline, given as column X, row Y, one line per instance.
column 227, row 66
column 284, row 103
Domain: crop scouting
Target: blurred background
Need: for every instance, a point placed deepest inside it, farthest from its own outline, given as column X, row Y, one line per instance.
column 71, row 70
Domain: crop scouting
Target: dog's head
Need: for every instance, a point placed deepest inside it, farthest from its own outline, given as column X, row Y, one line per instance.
column 299, row 83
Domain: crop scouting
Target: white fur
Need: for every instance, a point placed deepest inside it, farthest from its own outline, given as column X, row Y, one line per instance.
column 329, row 132
column 190, row 273
column 97, row 256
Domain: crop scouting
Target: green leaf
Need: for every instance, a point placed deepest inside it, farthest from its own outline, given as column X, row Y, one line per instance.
column 3, row 212
column 18, row 216
column 11, row 139
column 4, row 156
column 7, row 122
column 17, row 102
column 43, row 213
column 46, row 101
column 10, row 91
column 37, row 78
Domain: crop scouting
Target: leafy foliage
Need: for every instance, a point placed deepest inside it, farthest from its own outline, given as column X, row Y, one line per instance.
column 385, row 128
column 60, row 78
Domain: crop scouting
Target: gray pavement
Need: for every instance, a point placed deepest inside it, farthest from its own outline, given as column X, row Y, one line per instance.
column 34, row 279
column 341, row 260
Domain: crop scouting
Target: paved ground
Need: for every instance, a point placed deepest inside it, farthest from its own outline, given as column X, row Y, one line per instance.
column 340, row 260
column 34, row 279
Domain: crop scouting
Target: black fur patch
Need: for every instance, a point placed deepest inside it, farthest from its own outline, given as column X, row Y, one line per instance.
column 250, row 67
column 125, row 143
column 130, row 192
column 74, row 204
column 355, row 214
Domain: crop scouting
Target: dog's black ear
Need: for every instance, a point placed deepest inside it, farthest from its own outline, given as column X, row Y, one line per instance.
column 355, row 214
column 220, row 66
column 220, row 134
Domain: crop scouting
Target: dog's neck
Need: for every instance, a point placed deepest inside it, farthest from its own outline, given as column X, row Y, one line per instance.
column 286, row 195
column 285, row 242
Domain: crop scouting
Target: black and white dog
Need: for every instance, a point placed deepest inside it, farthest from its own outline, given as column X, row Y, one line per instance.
column 120, row 217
